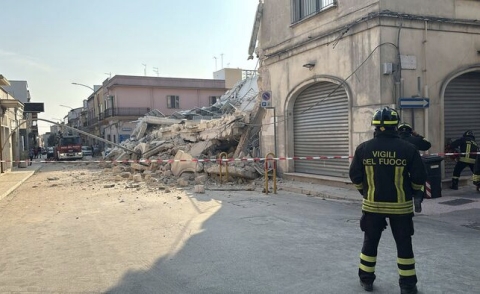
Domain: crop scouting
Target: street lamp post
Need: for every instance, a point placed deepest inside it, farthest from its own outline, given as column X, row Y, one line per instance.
column 78, row 84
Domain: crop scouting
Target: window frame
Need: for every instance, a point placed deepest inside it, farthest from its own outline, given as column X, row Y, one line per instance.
column 210, row 98
column 298, row 8
column 176, row 101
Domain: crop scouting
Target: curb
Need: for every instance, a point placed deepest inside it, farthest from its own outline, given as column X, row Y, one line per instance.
column 17, row 185
column 321, row 194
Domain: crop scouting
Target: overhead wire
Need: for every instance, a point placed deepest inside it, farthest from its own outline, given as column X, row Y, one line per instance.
column 339, row 85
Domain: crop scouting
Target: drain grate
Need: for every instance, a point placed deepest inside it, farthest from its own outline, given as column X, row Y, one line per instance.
column 456, row 202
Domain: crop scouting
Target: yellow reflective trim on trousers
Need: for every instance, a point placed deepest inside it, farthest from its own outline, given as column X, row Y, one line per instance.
column 467, row 160
column 407, row 273
column 368, row 258
column 405, row 261
column 368, row 269
column 370, row 182
column 476, row 178
column 399, row 184
column 359, row 186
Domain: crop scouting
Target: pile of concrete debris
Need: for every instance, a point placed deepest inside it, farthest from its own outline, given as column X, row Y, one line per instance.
column 181, row 148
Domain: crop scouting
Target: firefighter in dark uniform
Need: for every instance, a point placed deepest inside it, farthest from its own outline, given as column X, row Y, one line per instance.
column 468, row 149
column 476, row 173
column 406, row 132
column 387, row 171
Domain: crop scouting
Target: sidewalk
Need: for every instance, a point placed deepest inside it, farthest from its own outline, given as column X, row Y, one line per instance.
column 466, row 197
column 9, row 181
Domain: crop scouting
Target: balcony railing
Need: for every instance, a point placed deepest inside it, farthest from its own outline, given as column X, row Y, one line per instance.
column 121, row 111
column 111, row 112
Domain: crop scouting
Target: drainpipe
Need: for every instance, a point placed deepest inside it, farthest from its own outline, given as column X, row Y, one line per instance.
column 18, row 138
column 425, row 91
column 1, row 144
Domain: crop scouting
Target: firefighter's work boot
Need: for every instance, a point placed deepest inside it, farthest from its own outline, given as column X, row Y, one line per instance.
column 454, row 185
column 366, row 286
column 409, row 290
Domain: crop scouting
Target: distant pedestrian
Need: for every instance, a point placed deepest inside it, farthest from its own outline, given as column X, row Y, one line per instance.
column 468, row 153
column 476, row 173
column 31, row 155
column 387, row 171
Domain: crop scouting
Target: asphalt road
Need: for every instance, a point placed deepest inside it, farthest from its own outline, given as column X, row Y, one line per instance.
column 73, row 235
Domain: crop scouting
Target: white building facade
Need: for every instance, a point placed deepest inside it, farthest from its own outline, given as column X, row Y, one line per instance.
column 330, row 64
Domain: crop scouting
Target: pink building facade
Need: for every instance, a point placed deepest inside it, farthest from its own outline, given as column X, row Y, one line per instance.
column 112, row 109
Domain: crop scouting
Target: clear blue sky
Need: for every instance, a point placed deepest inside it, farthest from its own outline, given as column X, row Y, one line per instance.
column 52, row 43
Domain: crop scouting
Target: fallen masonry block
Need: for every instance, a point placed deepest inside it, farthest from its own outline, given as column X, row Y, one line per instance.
column 201, row 179
column 126, row 175
column 198, row 148
column 137, row 166
column 199, row 189
column 182, row 182
column 141, row 148
column 137, row 177
column 140, row 129
column 184, row 163
column 118, row 169
column 246, row 172
column 156, row 149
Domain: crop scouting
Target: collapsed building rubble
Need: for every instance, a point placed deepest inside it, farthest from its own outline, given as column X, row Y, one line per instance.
column 179, row 149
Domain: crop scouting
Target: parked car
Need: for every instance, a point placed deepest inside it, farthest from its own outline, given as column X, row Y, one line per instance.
column 107, row 151
column 50, row 152
column 87, row 151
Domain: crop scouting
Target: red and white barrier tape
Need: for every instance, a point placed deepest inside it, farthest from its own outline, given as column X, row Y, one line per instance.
column 257, row 159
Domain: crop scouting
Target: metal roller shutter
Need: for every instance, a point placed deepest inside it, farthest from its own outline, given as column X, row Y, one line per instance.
column 321, row 129
column 462, row 112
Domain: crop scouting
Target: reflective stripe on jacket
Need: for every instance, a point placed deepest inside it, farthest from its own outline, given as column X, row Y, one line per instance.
column 389, row 171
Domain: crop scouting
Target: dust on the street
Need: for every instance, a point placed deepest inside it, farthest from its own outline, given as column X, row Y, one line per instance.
column 73, row 227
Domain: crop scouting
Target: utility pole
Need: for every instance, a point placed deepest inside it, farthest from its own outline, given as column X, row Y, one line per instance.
column 144, row 69
column 215, row 57
column 155, row 70
column 221, row 60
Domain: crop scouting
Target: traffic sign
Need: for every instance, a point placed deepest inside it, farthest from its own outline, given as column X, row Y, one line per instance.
column 266, row 99
column 414, row 102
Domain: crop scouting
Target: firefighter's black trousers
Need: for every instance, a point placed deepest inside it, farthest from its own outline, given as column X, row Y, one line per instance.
column 402, row 228
column 459, row 167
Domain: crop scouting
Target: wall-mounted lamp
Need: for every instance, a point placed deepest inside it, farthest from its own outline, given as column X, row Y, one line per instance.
column 309, row 65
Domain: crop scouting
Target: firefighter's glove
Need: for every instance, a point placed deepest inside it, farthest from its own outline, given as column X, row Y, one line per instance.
column 418, row 195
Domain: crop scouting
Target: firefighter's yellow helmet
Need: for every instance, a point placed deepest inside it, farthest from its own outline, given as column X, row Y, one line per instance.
column 385, row 117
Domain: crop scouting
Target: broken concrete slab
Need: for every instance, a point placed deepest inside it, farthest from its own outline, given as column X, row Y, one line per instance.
column 184, row 163
column 199, row 148
column 247, row 172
